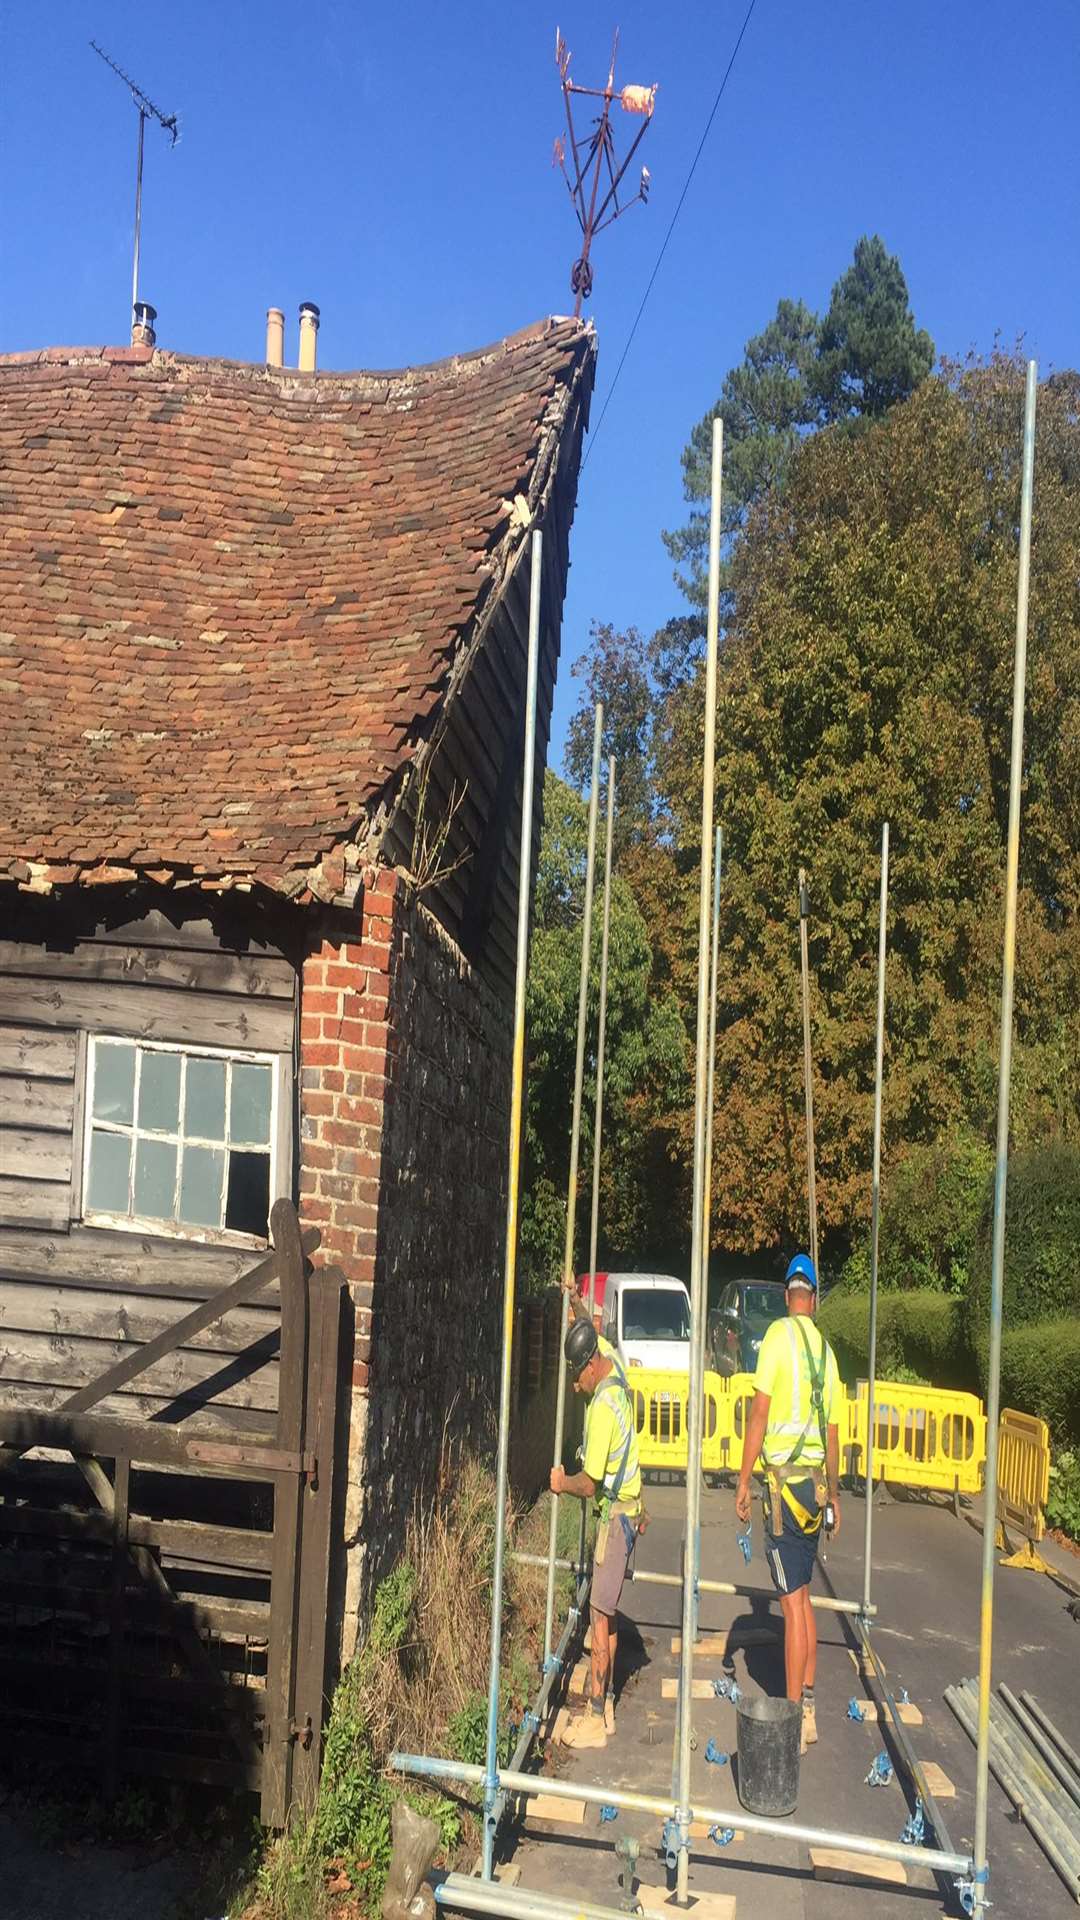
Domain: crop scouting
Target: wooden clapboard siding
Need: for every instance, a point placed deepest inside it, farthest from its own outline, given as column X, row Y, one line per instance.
column 34, row 1396
column 75, row 1298
column 146, row 1013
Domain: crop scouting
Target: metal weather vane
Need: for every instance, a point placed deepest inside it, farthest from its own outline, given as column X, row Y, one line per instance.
column 594, row 176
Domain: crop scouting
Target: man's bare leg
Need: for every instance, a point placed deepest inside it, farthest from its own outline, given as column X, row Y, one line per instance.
column 795, row 1650
column 809, row 1732
column 601, row 1663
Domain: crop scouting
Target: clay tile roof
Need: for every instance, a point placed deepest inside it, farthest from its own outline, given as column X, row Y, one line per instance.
column 230, row 596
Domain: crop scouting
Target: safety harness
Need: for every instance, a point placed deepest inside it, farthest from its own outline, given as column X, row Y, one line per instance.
column 609, row 1498
column 777, row 1477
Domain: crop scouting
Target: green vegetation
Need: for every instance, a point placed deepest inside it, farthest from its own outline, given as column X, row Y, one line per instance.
column 1040, row 1373
column 921, row 1336
column 1042, row 1243
column 1063, row 1499
column 418, row 1681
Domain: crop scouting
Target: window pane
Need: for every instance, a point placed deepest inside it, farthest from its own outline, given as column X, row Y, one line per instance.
column 200, row 1186
column 204, row 1106
column 249, row 1109
column 155, row 1179
column 114, row 1083
column 159, row 1092
column 110, row 1159
column 247, row 1208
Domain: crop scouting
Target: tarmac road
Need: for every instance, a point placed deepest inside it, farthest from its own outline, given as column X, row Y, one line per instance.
column 926, row 1587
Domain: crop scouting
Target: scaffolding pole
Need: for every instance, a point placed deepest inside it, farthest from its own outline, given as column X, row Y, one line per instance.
column 517, row 1097
column 875, row 1217
column 808, row 1068
column 997, row 1262
column 710, row 1094
column 594, row 1216
column 572, row 1182
column 692, row 1545
column 933, row 1859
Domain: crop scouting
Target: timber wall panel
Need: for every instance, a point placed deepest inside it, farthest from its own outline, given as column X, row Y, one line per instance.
column 75, row 1298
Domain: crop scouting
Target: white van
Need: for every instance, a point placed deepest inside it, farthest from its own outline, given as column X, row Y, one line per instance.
column 647, row 1320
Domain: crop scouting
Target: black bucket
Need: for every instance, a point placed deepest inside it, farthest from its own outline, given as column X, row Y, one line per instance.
column 769, row 1735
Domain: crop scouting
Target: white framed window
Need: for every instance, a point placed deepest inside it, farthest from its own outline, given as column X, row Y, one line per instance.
column 180, row 1139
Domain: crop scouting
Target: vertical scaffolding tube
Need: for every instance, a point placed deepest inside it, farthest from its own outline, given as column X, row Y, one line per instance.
column 808, row 1068
column 709, row 1096
column 517, row 1091
column 875, row 1216
column 138, row 215
column 997, row 1264
column 594, row 1217
column 697, row 1255
column 571, row 1189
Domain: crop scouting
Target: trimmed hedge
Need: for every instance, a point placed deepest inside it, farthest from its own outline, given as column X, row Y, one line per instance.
column 922, row 1331
column 1040, row 1373
column 1042, row 1245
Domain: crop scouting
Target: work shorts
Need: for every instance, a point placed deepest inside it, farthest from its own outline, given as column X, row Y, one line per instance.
column 616, row 1539
column 791, row 1556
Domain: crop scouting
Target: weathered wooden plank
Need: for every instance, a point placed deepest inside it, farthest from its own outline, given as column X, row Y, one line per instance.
column 259, row 976
column 32, row 1051
column 159, row 929
column 59, row 1310
column 34, row 1203
column 154, row 1431
column 36, row 1103
column 228, row 1547
column 247, row 1379
column 699, row 1906
column 150, row 1013
column 124, row 1262
column 31, row 1153
column 833, row 1863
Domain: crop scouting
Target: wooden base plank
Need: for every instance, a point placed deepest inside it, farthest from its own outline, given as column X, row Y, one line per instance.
column 706, row 1906
column 579, row 1681
column 938, row 1781
column 699, row 1689
column 832, row 1863
column 548, row 1806
column 715, row 1645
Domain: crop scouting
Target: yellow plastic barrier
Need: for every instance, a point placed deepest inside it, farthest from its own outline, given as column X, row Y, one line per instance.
column 1023, row 1477
column 924, row 1437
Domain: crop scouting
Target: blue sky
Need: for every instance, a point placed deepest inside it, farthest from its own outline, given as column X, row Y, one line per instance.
column 394, row 165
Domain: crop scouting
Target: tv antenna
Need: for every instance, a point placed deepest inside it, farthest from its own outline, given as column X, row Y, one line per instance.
column 168, row 123
column 593, row 160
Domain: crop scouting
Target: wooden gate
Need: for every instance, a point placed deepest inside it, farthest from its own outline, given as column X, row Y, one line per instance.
column 164, row 1595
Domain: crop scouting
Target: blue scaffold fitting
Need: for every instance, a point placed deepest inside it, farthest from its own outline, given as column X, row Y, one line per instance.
column 671, row 1839
column 854, row 1710
column 727, row 1688
column 608, row 1813
column 552, row 1664
column 715, row 1755
column 903, row 1698
column 574, row 1615
column 530, row 1721
column 723, row 1836
column 746, row 1545
column 881, row 1772
column 915, row 1827
column 965, row 1894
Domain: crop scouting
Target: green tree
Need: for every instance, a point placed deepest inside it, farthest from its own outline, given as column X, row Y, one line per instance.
column 645, row 1061
column 801, row 373
column 866, row 675
column 614, row 668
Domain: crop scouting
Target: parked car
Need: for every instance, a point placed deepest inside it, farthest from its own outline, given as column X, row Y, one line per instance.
column 646, row 1317
column 739, row 1321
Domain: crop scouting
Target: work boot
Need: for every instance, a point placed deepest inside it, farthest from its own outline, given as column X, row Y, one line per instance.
column 586, row 1732
column 809, row 1724
column 609, row 1713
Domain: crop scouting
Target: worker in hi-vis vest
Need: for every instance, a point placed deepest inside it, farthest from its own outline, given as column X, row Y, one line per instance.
column 611, row 1476
column 792, row 1426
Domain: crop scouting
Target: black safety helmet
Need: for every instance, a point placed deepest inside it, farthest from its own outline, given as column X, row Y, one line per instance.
column 580, row 1346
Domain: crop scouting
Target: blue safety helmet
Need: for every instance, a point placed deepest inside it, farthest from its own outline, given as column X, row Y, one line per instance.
column 801, row 1271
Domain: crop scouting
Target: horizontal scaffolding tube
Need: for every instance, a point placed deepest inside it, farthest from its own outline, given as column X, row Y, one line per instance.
column 1046, row 1750
column 1035, row 1812
column 521, row 1903
column 824, row 1601
column 933, row 1859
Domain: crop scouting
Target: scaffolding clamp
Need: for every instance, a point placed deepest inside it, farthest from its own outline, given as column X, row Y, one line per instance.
column 674, row 1839
column 553, row 1664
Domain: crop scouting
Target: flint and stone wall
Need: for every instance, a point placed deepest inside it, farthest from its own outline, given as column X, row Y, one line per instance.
column 404, row 1088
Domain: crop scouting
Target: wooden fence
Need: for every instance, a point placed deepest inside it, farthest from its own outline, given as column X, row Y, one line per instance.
column 164, row 1595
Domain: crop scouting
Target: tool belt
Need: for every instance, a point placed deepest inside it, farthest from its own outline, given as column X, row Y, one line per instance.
column 632, row 1519
column 778, row 1495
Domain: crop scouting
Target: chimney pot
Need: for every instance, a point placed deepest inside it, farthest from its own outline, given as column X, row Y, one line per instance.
column 143, row 316
column 275, row 337
column 309, row 328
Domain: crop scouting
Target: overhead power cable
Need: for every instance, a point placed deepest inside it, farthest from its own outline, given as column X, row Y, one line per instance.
column 671, row 228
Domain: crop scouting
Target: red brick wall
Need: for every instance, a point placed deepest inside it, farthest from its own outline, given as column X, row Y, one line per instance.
column 404, row 1082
